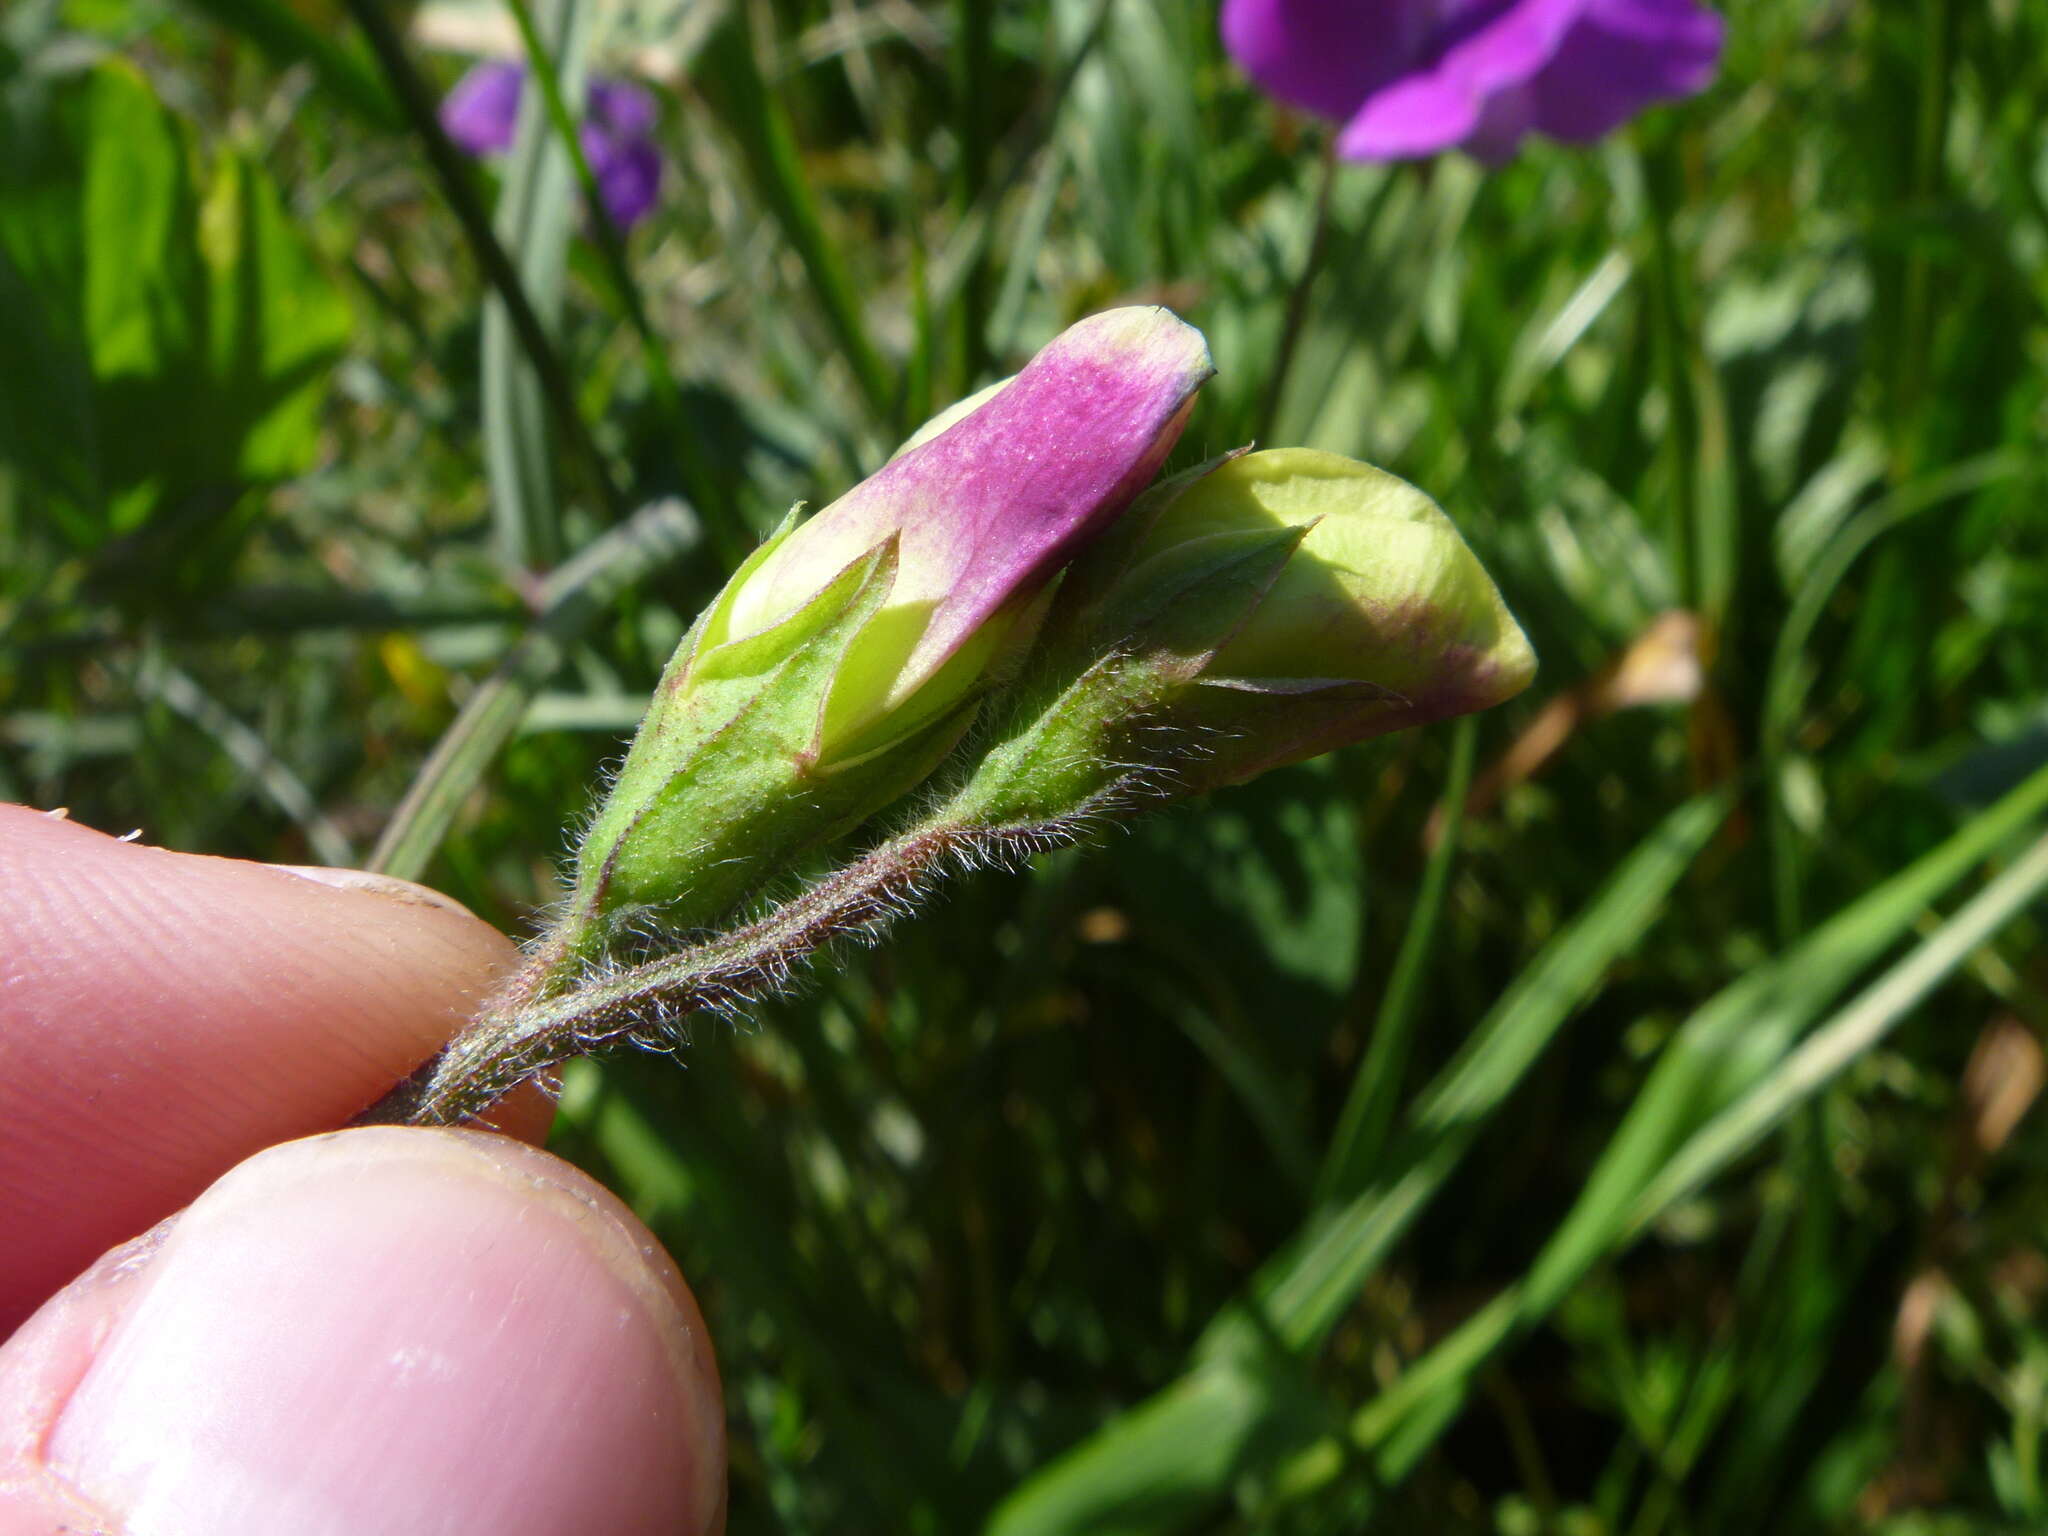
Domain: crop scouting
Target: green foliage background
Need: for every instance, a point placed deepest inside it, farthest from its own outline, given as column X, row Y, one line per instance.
column 1633, row 1163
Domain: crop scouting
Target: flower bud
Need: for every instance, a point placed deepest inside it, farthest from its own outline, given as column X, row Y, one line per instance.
column 987, row 509
column 1258, row 611
column 1381, row 619
column 843, row 660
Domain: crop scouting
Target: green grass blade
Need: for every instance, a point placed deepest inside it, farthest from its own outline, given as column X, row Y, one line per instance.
column 536, row 216
column 1031, row 139
column 1786, row 683
column 1170, row 1458
column 1369, row 1111
column 973, row 97
column 1823, row 1055
column 1259, row 1088
column 1025, row 246
column 1706, row 542
column 1723, row 1052
column 1154, row 1468
column 1299, row 1295
column 1732, row 1042
column 759, row 123
column 572, row 599
column 178, row 691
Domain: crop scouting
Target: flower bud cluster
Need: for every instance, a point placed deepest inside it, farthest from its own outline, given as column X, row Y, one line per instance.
column 1010, row 564
column 1121, row 644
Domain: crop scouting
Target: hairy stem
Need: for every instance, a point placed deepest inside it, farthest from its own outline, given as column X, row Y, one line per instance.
column 534, row 1023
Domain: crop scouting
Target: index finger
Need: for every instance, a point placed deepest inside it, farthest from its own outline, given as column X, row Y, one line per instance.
column 165, row 1015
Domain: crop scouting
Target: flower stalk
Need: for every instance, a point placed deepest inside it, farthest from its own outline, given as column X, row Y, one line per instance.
column 527, row 1028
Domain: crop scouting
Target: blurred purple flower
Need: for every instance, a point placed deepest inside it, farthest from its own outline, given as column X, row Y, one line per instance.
column 482, row 113
column 1413, row 77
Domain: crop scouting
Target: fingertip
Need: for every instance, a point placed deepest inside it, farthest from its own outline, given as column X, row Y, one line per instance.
column 369, row 883
column 390, row 1330
column 163, row 1015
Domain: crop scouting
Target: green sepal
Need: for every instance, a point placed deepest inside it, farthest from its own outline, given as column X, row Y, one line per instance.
column 683, row 712
column 1089, row 719
column 711, row 632
column 722, row 789
column 1189, row 601
column 1107, row 561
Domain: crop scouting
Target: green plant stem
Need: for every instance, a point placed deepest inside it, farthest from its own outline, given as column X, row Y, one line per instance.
column 535, row 1022
column 532, row 216
column 456, row 184
column 1298, row 296
column 1673, row 347
column 702, row 487
column 1368, row 1115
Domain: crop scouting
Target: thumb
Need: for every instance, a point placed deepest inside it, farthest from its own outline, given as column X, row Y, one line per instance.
column 379, row 1330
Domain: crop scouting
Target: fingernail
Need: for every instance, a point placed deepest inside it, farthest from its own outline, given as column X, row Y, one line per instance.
column 374, row 885
column 402, row 1331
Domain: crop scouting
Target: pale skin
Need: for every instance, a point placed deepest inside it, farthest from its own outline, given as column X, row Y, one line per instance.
column 229, row 1316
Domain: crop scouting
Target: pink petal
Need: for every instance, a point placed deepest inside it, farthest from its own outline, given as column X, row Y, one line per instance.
column 1326, row 56
column 1440, row 106
column 990, row 508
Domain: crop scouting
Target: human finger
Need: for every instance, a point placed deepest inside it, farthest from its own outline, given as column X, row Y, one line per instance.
column 164, row 1015
column 390, row 1330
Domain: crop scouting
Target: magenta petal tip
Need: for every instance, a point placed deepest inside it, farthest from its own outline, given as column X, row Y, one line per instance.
column 990, row 508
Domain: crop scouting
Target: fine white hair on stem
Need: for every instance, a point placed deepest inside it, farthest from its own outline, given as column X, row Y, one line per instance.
column 526, row 1030
column 644, row 981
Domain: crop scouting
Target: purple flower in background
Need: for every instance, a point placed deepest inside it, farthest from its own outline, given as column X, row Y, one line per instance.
column 482, row 113
column 618, row 141
column 1413, row 77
